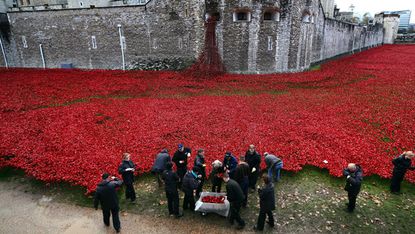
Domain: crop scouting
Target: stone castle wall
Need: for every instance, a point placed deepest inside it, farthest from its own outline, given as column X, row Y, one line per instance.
column 169, row 34
column 89, row 38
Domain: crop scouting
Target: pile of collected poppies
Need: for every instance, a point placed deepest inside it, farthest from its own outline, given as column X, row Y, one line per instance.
column 214, row 199
column 73, row 125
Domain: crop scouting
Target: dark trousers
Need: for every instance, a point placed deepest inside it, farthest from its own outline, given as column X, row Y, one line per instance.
column 352, row 201
column 159, row 180
column 189, row 201
column 115, row 217
column 253, row 178
column 245, row 187
column 173, row 202
column 235, row 214
column 200, row 187
column 181, row 172
column 261, row 219
column 129, row 191
column 397, row 178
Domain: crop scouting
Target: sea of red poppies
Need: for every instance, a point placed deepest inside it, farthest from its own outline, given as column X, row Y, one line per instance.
column 72, row 125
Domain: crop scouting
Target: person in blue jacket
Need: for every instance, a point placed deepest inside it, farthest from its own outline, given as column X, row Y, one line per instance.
column 230, row 163
column 274, row 166
column 160, row 165
column 200, row 164
column 191, row 181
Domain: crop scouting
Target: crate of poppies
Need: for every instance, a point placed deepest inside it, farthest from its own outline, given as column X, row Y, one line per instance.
column 210, row 202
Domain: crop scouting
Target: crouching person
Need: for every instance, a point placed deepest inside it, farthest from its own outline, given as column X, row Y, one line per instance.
column 266, row 204
column 354, row 177
column 106, row 195
column 171, row 179
column 274, row 166
column 190, row 184
column 235, row 198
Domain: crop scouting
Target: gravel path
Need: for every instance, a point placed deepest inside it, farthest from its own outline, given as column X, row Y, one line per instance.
column 25, row 212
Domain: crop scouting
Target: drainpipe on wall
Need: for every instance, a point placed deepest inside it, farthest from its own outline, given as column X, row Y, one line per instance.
column 4, row 53
column 42, row 56
column 122, row 46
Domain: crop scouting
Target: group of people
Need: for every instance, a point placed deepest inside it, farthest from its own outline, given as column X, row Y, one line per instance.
column 354, row 177
column 239, row 177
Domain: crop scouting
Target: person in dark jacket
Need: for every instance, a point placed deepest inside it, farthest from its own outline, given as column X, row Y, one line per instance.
column 189, row 186
column 201, row 166
column 235, row 197
column 266, row 204
column 126, row 169
column 274, row 166
column 106, row 195
column 216, row 176
column 180, row 158
column 160, row 165
column 354, row 177
column 171, row 180
column 241, row 176
column 253, row 158
column 401, row 165
column 230, row 163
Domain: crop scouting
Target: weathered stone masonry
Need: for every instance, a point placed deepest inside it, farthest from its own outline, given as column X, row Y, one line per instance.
column 253, row 36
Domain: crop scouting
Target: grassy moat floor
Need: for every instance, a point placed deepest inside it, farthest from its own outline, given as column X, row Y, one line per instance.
column 307, row 202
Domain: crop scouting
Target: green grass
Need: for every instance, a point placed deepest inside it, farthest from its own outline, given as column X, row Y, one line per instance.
column 308, row 201
column 315, row 68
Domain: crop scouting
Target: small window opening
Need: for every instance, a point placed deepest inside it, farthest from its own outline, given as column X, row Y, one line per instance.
column 307, row 17
column 242, row 15
column 94, row 42
column 268, row 16
column 270, row 43
column 24, row 42
column 271, row 16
